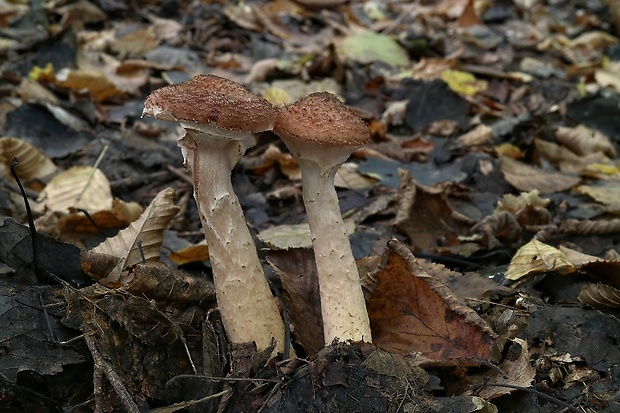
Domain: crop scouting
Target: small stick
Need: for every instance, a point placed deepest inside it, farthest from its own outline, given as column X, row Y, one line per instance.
column 113, row 378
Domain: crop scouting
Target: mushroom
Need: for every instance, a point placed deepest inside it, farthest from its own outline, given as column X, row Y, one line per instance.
column 321, row 133
column 220, row 118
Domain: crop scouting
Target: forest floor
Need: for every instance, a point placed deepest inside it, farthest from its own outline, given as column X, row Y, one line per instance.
column 484, row 214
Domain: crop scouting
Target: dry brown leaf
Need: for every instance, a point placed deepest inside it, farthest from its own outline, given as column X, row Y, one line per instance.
column 536, row 257
column 160, row 282
column 348, row 177
column 119, row 216
column 577, row 258
column 32, row 91
column 607, row 193
column 499, row 227
column 515, row 370
column 90, row 81
column 527, row 178
column 479, row 135
column 296, row 269
column 413, row 314
column 82, row 187
column 77, row 14
column 563, row 158
column 285, row 161
column 33, row 164
column 600, row 296
column 136, row 43
column 583, row 141
column 193, row 253
column 148, row 229
column 425, row 216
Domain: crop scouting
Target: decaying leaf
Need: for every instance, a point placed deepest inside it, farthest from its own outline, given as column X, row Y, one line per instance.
column 143, row 236
column 607, row 193
column 528, row 178
column 415, row 315
column 536, row 257
column 82, row 187
column 76, row 223
column 583, row 141
column 161, row 283
column 515, row 370
column 296, row 269
column 425, row 216
column 29, row 338
column 33, row 164
column 600, row 296
column 144, row 345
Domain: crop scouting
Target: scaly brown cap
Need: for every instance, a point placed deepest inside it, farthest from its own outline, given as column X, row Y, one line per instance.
column 211, row 100
column 321, row 118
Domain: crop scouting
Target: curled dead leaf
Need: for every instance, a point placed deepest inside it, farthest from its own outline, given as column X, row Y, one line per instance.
column 600, row 296
column 143, row 237
column 413, row 314
column 583, row 141
column 33, row 164
column 536, row 257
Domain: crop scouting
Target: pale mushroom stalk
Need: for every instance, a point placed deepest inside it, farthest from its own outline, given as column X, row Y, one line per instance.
column 342, row 300
column 247, row 307
column 220, row 118
column 321, row 133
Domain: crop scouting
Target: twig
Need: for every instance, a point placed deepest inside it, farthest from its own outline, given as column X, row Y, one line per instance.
column 113, row 378
column 528, row 390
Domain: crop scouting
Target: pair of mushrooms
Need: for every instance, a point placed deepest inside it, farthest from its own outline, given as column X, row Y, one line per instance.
column 221, row 118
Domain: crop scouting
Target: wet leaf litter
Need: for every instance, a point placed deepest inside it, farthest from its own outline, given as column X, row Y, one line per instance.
column 482, row 214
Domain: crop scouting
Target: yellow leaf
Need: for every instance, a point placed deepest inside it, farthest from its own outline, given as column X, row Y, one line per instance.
column 193, row 253
column 45, row 74
column 463, row 82
column 536, row 257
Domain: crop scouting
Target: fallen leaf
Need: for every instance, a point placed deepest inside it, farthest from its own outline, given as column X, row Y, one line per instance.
column 193, row 253
column 76, row 223
column 30, row 336
column 368, row 47
column 536, row 257
column 463, row 83
column 413, row 314
column 425, row 216
column 292, row 236
column 515, row 370
column 607, row 193
column 583, row 141
column 143, row 236
column 600, row 296
column 296, row 269
column 81, row 187
column 527, row 178
column 33, row 164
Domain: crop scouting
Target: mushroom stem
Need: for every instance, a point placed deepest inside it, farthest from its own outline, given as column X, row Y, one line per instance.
column 342, row 301
column 248, row 310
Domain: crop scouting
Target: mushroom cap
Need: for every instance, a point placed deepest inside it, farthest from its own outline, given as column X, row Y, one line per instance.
column 321, row 118
column 211, row 100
